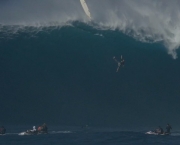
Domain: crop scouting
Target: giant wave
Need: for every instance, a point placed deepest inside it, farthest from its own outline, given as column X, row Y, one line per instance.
column 147, row 21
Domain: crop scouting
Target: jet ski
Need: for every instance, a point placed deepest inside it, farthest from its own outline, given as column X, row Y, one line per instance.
column 151, row 132
column 34, row 131
column 155, row 133
column 29, row 132
column 40, row 130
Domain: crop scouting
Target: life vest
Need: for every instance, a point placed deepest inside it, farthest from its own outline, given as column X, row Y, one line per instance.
column 39, row 128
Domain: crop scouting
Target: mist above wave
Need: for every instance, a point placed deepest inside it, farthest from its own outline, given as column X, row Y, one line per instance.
column 148, row 21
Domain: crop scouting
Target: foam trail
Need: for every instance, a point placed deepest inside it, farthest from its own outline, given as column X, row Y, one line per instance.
column 148, row 21
column 56, row 132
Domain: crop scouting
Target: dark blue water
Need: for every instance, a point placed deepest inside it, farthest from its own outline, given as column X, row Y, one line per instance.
column 67, row 77
column 86, row 136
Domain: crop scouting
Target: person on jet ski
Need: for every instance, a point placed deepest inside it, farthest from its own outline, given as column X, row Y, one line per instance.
column 43, row 128
column 168, row 128
column 2, row 130
column 159, row 130
column 34, row 129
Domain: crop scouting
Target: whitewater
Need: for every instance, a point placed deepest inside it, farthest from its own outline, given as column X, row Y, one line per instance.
column 155, row 21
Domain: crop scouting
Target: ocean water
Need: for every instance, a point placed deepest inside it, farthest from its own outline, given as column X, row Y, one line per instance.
column 86, row 136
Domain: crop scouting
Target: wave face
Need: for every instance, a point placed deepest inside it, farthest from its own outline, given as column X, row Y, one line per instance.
column 155, row 21
column 62, row 72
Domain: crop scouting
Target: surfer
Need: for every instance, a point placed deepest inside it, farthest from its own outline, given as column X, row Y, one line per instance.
column 86, row 9
column 168, row 128
column 120, row 63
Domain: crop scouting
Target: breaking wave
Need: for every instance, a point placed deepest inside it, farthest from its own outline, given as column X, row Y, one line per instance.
column 147, row 21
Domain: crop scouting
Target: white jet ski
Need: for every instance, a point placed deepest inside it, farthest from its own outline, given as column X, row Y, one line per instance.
column 28, row 132
column 151, row 132
column 41, row 130
column 154, row 133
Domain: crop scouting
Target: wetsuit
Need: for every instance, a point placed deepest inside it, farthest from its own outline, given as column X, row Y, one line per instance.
column 161, row 130
column 43, row 128
column 168, row 128
column 122, row 62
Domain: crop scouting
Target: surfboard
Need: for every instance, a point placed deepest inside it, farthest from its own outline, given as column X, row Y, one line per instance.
column 85, row 8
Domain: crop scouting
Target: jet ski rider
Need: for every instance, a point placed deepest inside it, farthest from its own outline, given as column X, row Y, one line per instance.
column 2, row 130
column 168, row 128
column 43, row 128
column 34, row 129
column 159, row 130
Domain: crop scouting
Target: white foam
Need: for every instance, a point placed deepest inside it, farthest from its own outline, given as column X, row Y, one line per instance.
column 56, row 132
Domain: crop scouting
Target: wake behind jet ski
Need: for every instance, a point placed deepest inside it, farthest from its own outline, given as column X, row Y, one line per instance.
column 2, row 130
column 120, row 63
